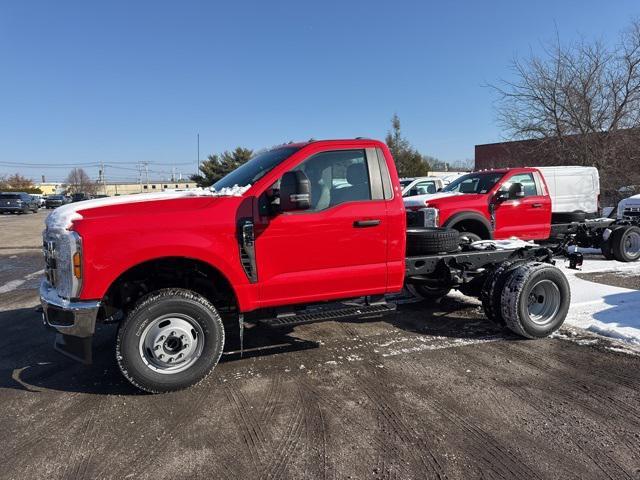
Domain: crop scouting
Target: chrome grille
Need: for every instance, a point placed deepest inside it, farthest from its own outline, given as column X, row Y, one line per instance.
column 49, row 250
column 631, row 212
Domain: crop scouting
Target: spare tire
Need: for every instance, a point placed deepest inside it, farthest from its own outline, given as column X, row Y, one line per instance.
column 568, row 217
column 423, row 241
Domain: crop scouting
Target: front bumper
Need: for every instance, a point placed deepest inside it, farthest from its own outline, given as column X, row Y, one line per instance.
column 75, row 322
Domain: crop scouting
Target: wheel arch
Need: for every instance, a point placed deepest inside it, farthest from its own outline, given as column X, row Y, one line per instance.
column 470, row 222
column 160, row 272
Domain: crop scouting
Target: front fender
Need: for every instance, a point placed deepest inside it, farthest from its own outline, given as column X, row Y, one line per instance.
column 469, row 215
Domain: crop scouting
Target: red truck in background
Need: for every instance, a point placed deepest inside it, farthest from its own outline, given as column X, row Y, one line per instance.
column 517, row 202
column 282, row 240
column 496, row 204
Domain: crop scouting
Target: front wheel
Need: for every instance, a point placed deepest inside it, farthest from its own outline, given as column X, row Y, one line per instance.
column 171, row 340
column 625, row 244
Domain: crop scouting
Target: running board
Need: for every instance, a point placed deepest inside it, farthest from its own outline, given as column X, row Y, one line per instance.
column 329, row 314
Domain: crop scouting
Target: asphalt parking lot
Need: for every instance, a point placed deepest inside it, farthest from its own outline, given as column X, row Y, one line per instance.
column 433, row 391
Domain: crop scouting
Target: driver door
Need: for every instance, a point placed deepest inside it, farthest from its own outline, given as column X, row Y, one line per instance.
column 528, row 217
column 335, row 249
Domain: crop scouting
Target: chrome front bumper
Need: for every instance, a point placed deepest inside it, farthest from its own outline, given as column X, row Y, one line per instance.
column 73, row 318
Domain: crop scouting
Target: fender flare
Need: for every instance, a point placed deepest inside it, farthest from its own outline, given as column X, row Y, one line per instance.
column 474, row 216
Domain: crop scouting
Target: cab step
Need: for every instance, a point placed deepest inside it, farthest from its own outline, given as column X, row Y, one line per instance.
column 320, row 314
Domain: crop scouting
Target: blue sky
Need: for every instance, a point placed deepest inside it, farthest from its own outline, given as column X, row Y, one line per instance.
column 123, row 82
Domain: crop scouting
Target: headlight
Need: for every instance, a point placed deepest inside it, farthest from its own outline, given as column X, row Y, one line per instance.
column 63, row 255
column 430, row 217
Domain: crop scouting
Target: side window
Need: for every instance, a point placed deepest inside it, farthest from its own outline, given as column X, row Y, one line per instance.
column 337, row 177
column 426, row 187
column 527, row 181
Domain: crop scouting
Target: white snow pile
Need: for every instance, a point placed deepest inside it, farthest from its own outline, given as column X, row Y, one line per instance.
column 62, row 217
column 603, row 309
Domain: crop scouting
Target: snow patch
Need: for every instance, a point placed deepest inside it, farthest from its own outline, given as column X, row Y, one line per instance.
column 62, row 217
column 605, row 309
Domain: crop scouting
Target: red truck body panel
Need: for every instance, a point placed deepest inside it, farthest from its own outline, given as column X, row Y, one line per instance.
column 301, row 257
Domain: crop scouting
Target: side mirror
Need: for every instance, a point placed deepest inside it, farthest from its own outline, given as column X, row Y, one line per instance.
column 295, row 191
column 516, row 191
column 413, row 192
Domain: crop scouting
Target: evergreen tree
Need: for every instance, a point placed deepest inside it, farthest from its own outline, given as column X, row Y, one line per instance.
column 409, row 161
column 218, row 165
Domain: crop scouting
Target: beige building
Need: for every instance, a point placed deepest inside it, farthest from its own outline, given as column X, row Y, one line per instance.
column 50, row 188
column 112, row 188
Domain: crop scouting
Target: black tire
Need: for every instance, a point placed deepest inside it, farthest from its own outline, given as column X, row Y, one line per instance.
column 423, row 241
column 469, row 237
column 491, row 293
column 605, row 247
column 568, row 217
column 428, row 292
column 171, row 301
column 625, row 243
column 535, row 300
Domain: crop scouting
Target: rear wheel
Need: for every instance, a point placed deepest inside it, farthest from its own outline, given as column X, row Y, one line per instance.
column 491, row 293
column 170, row 341
column 625, row 244
column 535, row 300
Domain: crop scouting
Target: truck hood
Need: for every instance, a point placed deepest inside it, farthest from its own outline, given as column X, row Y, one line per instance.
column 633, row 200
column 448, row 197
column 63, row 217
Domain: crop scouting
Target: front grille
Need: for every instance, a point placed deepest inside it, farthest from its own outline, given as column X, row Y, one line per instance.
column 633, row 212
column 49, row 250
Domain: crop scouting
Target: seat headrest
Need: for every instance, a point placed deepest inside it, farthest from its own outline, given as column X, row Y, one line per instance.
column 356, row 174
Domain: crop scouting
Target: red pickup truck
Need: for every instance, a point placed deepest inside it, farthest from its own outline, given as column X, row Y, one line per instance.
column 492, row 204
column 301, row 225
column 517, row 202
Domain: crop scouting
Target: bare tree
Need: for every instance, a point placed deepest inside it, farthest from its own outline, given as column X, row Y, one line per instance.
column 79, row 182
column 581, row 105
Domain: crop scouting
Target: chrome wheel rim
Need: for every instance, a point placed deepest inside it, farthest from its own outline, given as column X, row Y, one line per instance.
column 543, row 302
column 632, row 244
column 171, row 343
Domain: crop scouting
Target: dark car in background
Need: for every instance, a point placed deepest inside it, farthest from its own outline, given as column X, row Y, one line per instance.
column 54, row 201
column 18, row 202
column 79, row 197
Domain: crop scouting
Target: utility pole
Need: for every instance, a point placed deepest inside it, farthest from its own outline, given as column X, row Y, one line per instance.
column 198, row 153
column 146, row 172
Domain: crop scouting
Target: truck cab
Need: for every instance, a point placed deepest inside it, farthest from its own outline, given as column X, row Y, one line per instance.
column 489, row 204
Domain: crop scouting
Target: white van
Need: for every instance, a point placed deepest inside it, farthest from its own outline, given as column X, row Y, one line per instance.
column 573, row 189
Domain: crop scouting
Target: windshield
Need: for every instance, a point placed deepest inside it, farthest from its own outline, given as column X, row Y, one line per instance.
column 10, row 196
column 474, row 183
column 405, row 183
column 256, row 168
column 55, row 197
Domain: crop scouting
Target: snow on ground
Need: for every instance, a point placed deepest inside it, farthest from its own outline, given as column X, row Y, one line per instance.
column 603, row 309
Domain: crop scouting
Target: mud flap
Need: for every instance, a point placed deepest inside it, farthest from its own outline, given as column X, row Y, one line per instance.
column 241, row 327
column 76, row 348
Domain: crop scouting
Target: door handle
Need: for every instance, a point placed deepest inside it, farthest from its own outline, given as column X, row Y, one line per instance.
column 536, row 205
column 366, row 223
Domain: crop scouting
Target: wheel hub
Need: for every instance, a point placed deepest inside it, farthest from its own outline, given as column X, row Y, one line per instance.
column 544, row 302
column 171, row 343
